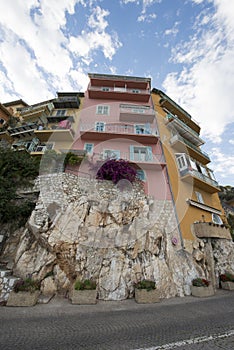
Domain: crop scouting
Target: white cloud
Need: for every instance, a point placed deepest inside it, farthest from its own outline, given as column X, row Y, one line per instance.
column 36, row 48
column 146, row 18
column 83, row 45
column 205, row 84
column 231, row 142
column 221, row 162
column 173, row 31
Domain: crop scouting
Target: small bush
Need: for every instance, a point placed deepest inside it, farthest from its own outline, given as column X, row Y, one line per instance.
column 26, row 285
column 227, row 277
column 200, row 282
column 85, row 285
column 145, row 284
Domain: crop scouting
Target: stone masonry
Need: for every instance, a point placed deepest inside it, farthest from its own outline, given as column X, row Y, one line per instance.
column 115, row 234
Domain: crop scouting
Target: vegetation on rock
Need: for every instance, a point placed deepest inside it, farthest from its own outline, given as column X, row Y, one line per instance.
column 17, row 170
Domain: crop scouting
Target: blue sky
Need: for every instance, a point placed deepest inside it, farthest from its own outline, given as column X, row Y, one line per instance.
column 185, row 46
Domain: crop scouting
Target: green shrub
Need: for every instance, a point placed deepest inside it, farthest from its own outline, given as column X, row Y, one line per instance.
column 87, row 284
column 227, row 277
column 200, row 282
column 26, row 285
column 145, row 284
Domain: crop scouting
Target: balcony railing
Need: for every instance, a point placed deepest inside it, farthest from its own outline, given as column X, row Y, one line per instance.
column 136, row 113
column 130, row 156
column 200, row 176
column 119, row 129
column 22, row 130
column 177, row 137
column 37, row 108
column 185, row 130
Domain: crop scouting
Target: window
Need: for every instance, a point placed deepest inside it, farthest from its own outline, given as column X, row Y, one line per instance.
column 61, row 112
column 142, row 129
column 105, row 88
column 217, row 219
column 103, row 109
column 142, row 154
column 181, row 161
column 44, row 147
column 2, row 121
column 88, row 147
column 99, row 126
column 199, row 197
column 136, row 91
column 111, row 153
column 141, row 175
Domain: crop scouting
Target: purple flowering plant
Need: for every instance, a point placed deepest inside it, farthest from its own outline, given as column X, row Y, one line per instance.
column 116, row 170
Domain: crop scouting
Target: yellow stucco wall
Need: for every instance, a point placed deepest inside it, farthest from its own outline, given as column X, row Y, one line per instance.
column 182, row 191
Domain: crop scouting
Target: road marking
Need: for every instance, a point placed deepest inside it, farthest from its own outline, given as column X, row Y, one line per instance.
column 190, row 341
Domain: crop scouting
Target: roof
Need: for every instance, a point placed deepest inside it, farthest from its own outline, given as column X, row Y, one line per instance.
column 5, row 110
column 15, row 103
column 117, row 77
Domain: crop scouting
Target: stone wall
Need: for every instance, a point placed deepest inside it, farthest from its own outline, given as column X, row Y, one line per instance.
column 83, row 228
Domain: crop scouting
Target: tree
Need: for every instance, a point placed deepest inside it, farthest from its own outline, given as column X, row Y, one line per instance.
column 17, row 170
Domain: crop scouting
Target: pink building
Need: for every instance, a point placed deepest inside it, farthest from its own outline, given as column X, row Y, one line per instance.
column 118, row 121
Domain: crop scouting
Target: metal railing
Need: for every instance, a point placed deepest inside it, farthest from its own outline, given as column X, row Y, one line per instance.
column 129, row 156
column 200, row 176
column 190, row 144
column 119, row 129
column 183, row 125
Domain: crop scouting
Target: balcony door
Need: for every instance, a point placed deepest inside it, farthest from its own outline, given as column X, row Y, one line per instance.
column 141, row 154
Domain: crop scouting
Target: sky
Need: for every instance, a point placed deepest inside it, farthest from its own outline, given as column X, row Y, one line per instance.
column 186, row 47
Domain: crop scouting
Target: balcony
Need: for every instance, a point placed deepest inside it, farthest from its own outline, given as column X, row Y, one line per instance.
column 36, row 111
column 102, row 131
column 59, row 117
column 59, row 132
column 199, row 180
column 67, row 102
column 119, row 93
column 144, row 160
column 23, row 130
column 136, row 113
column 184, row 130
column 173, row 108
column 180, row 144
column 211, row 230
column 40, row 149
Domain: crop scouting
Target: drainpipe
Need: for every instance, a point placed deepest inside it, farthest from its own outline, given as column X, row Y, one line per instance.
column 168, row 181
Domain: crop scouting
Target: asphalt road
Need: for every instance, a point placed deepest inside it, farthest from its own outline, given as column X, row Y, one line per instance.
column 178, row 323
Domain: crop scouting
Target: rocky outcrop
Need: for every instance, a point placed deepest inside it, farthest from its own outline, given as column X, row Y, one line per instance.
column 114, row 234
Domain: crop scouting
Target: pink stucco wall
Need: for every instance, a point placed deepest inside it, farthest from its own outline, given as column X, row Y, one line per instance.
column 156, row 183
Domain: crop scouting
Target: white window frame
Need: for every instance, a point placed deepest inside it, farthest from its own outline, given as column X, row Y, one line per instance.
column 98, row 126
column 217, row 219
column 181, row 161
column 199, row 197
column 103, row 110
column 86, row 146
column 136, row 91
column 105, row 88
column 111, row 154
column 141, row 153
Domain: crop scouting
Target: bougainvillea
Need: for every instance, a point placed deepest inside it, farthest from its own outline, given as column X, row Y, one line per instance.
column 116, row 170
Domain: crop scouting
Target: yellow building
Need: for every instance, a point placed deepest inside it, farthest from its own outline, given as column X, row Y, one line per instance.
column 48, row 125
column 193, row 185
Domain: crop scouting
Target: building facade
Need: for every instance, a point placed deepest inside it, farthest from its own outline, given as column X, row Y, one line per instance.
column 48, row 125
column 193, row 184
column 118, row 121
